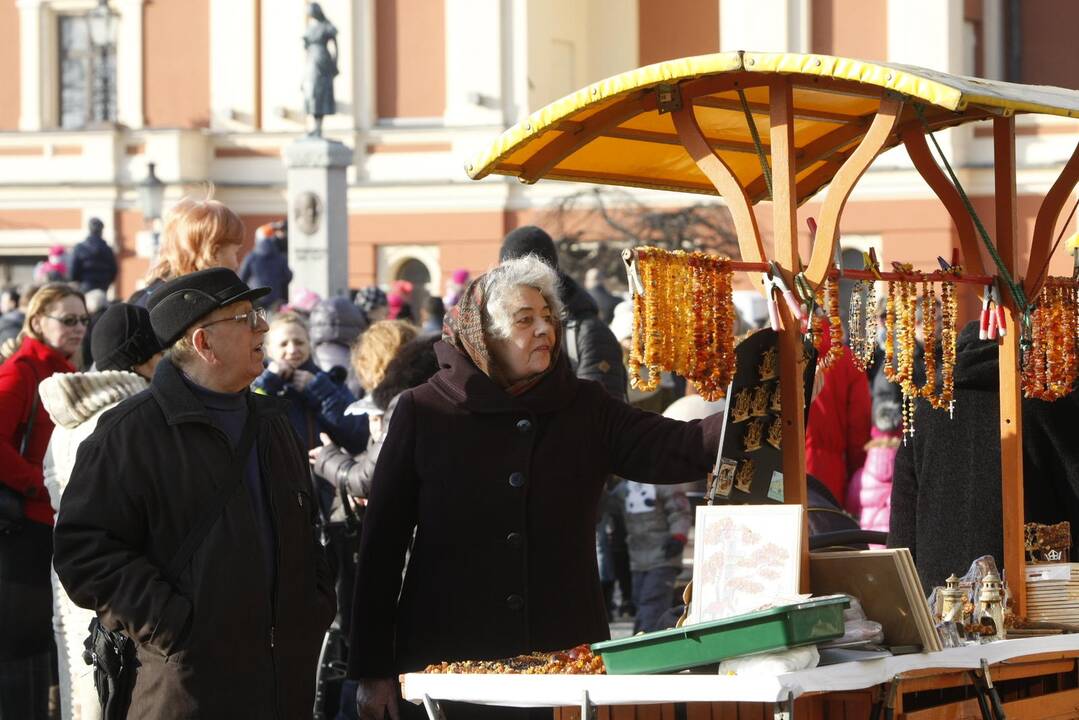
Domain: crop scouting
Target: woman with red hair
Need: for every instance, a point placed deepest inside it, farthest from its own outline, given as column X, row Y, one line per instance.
column 198, row 234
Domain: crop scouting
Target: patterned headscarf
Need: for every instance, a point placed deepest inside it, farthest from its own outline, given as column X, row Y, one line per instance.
column 463, row 328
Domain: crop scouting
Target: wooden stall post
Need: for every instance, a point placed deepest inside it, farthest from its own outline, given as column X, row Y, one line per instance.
column 791, row 353
column 1011, row 401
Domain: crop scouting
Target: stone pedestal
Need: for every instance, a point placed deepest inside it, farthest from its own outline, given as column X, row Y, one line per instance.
column 318, row 216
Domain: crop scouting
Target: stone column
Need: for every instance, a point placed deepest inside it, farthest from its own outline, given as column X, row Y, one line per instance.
column 318, row 216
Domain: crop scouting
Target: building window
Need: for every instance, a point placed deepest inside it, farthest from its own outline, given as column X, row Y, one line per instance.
column 87, row 76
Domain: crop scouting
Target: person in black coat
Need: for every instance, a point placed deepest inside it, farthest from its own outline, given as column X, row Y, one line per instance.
column 93, row 263
column 236, row 632
column 492, row 473
column 606, row 301
column 267, row 266
column 946, row 494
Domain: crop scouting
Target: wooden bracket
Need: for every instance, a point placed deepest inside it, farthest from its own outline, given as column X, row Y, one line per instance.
column 918, row 149
column 1042, row 242
column 726, row 184
column 843, row 183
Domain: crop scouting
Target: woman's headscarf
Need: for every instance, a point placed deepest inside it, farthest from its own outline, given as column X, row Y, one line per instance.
column 463, row 328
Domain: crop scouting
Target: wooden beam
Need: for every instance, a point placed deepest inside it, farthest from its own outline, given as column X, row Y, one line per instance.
column 824, row 147
column 568, row 143
column 843, row 183
column 721, row 176
column 820, row 177
column 663, row 138
column 1041, row 245
column 1011, row 401
column 765, row 109
column 1041, row 707
column 616, row 178
column 791, row 351
column 918, row 149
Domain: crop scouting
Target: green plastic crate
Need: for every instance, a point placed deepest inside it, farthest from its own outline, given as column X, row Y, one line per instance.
column 807, row 623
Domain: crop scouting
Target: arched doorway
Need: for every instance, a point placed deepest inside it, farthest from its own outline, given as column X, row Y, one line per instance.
column 416, row 273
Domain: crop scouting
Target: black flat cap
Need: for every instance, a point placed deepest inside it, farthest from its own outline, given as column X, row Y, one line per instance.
column 123, row 338
column 183, row 301
column 529, row 240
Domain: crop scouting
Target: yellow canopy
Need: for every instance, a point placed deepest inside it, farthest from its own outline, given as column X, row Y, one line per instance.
column 613, row 131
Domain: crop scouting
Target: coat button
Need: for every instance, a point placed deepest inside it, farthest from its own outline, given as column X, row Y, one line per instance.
column 515, row 602
column 514, row 540
column 517, row 480
column 524, row 425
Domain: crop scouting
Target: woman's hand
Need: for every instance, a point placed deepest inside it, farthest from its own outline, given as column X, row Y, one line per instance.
column 314, row 453
column 376, row 698
column 301, row 379
column 280, row 369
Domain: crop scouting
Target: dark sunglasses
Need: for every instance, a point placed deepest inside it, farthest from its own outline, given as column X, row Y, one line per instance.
column 71, row 320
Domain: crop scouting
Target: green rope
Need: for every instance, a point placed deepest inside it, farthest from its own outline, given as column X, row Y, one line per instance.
column 761, row 155
column 1015, row 289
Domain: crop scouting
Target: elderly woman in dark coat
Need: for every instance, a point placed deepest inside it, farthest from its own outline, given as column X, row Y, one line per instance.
column 498, row 463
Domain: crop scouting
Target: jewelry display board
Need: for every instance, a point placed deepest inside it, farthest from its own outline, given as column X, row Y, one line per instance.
column 751, row 468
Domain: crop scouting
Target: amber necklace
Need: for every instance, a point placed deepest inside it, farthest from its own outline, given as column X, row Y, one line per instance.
column 684, row 321
column 862, row 323
column 1050, row 366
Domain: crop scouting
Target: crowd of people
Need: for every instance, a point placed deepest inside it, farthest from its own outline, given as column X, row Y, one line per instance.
column 210, row 476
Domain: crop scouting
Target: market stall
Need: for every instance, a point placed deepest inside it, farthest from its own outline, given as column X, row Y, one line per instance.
column 783, row 127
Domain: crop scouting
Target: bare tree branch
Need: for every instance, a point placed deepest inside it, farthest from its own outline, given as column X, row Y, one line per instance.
column 591, row 228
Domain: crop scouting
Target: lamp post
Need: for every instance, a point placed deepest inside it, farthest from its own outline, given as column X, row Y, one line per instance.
column 102, row 24
column 151, row 198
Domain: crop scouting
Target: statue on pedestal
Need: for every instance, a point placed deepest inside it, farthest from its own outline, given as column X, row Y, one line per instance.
column 321, row 67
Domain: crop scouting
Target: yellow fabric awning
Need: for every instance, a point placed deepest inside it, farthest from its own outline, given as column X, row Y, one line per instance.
column 612, row 132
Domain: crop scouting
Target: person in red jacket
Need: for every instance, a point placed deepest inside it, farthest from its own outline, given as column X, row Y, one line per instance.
column 51, row 336
column 839, row 421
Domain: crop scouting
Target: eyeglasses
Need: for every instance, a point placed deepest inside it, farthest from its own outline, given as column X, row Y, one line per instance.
column 253, row 318
column 71, row 320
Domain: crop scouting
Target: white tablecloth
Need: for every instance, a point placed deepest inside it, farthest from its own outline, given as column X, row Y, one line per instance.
column 569, row 690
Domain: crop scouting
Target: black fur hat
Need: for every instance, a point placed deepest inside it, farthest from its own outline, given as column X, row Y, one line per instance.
column 529, row 240
column 123, row 338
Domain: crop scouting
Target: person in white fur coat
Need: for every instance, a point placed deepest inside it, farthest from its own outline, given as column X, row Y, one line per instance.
column 126, row 353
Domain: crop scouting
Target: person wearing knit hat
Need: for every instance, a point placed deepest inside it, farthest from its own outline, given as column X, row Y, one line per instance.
column 191, row 511
column 374, row 303
column 529, row 240
column 123, row 339
column 454, row 287
column 127, row 353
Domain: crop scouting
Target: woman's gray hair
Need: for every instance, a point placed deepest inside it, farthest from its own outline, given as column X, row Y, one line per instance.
column 501, row 291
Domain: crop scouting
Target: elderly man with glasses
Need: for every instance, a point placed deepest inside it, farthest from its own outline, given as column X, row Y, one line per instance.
column 188, row 523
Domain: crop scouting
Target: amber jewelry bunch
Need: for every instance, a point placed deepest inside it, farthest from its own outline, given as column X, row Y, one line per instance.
column 827, row 296
column 901, row 344
column 1050, row 366
column 944, row 397
column 684, row 321
column 862, row 323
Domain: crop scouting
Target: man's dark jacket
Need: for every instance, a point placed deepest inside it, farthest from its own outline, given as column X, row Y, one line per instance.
column 592, row 348
column 946, row 499
column 222, row 643
column 93, row 264
column 503, row 492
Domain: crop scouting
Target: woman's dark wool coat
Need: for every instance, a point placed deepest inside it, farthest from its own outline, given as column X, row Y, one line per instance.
column 503, row 494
